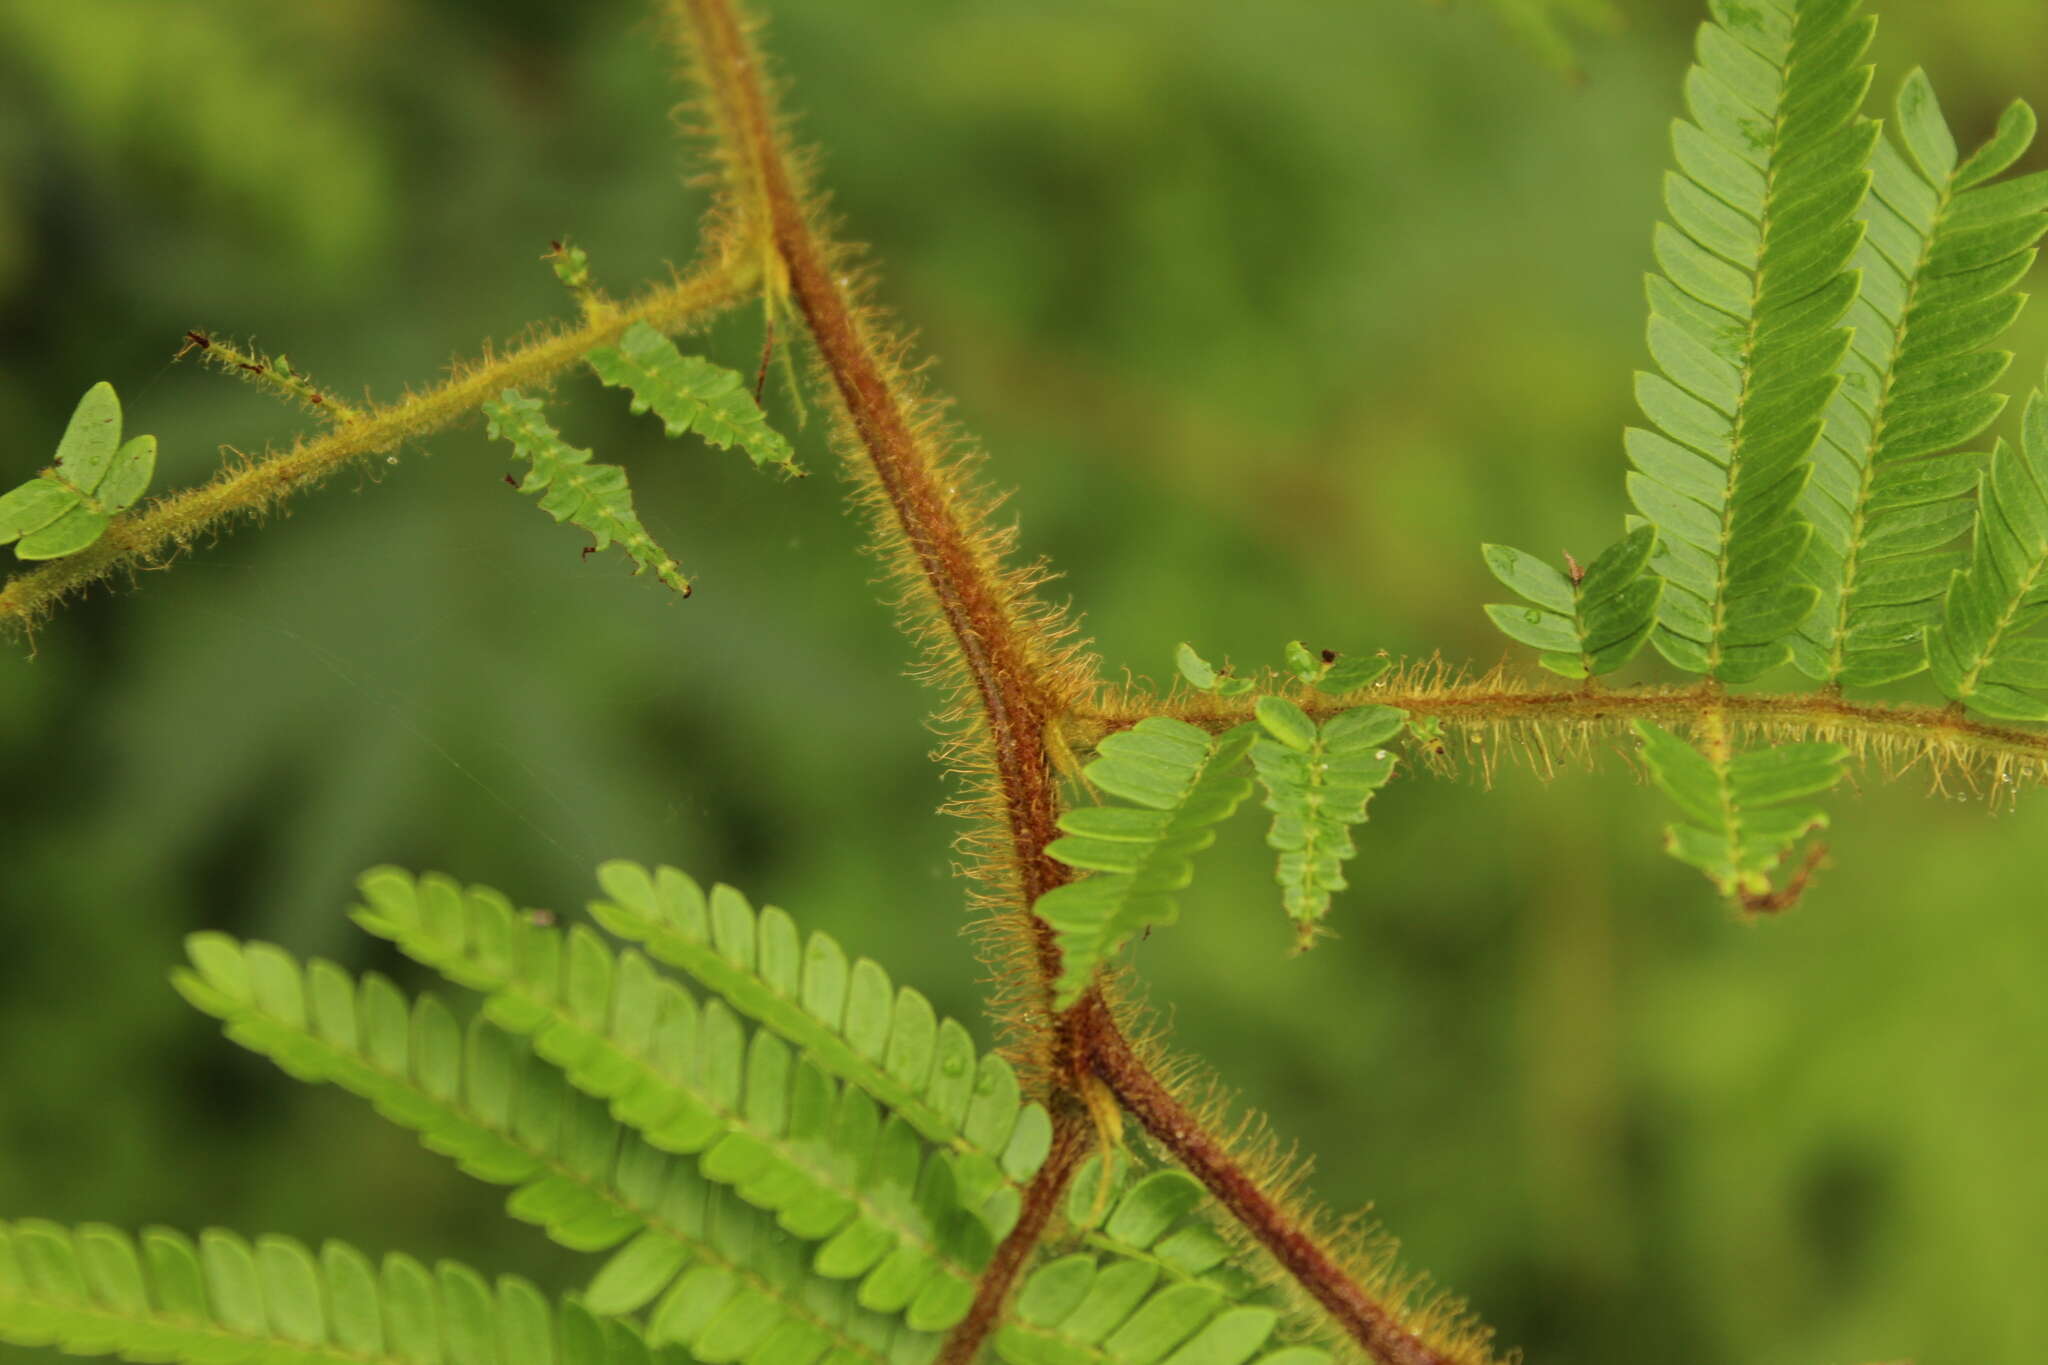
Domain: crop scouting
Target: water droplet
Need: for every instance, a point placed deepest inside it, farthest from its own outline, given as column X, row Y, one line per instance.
column 390, row 459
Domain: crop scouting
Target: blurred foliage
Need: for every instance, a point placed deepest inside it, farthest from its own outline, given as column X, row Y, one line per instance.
column 1549, row 26
column 1318, row 296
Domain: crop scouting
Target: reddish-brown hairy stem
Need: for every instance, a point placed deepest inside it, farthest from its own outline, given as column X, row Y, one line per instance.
column 1017, row 704
column 964, row 585
column 1070, row 1142
column 1368, row 1321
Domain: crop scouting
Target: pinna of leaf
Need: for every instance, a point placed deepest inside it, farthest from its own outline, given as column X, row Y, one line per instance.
column 1945, row 248
column 1588, row 623
column 1744, row 811
column 65, row 508
column 1182, row 782
column 1318, row 780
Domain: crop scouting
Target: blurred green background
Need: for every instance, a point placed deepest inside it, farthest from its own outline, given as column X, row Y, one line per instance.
column 1270, row 313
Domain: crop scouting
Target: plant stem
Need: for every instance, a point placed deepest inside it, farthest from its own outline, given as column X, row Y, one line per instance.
column 1070, row 1142
column 1904, row 733
column 1370, row 1323
column 953, row 562
column 951, row 556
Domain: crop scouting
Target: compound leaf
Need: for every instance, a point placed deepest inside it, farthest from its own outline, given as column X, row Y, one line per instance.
column 1744, row 323
column 1744, row 811
column 1318, row 781
column 1181, row 782
column 68, row 506
column 762, row 1119
column 1888, row 498
column 505, row 1116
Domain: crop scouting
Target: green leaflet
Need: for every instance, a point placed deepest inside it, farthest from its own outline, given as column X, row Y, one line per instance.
column 67, row 507
column 1744, row 811
column 1587, row 624
column 1162, row 1219
column 1205, row 676
column 689, row 393
column 1981, row 652
column 1743, row 323
column 1318, row 780
column 844, row 1014
column 572, row 488
column 505, row 1116
column 1182, row 782
column 94, row 1290
column 915, row 1230
column 1940, row 263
